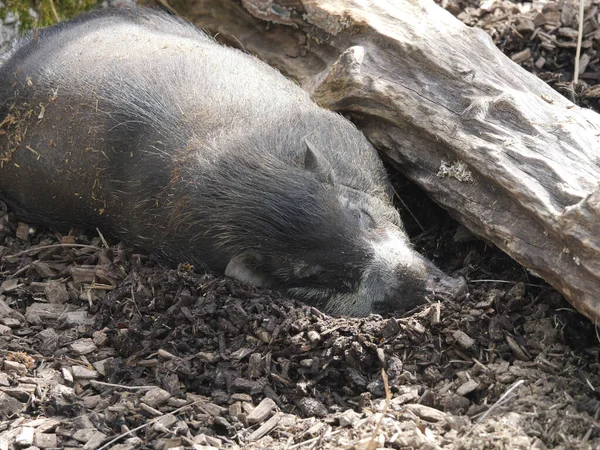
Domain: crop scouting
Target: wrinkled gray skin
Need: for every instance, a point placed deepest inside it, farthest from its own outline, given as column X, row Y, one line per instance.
column 138, row 124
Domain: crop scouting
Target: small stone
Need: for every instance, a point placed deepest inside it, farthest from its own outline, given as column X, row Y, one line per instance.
column 67, row 375
column 525, row 25
column 456, row 404
column 4, row 330
column 390, row 328
column 540, row 62
column 313, row 336
column 261, row 412
column 100, row 338
column 312, row 407
column 83, row 346
column 348, row 418
column 156, row 397
column 288, row 420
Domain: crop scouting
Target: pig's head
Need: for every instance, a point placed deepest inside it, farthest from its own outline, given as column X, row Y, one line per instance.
column 324, row 242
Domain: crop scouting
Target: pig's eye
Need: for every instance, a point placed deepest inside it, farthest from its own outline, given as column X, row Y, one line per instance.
column 310, row 272
column 365, row 219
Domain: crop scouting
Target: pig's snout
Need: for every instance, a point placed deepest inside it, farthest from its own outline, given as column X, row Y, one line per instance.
column 439, row 285
column 396, row 279
column 416, row 280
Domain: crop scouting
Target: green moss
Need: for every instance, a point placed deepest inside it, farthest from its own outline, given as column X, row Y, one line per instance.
column 49, row 11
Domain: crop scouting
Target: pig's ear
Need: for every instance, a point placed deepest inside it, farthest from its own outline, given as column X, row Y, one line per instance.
column 245, row 267
column 315, row 162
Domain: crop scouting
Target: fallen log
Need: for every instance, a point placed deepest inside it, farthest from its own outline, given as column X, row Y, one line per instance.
column 506, row 155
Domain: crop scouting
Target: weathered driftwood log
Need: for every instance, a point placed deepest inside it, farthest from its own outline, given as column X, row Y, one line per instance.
column 505, row 154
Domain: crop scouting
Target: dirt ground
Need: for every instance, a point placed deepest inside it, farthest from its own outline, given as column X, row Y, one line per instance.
column 102, row 347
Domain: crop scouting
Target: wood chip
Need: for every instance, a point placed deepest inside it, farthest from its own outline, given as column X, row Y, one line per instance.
column 82, row 373
column 83, row 346
column 467, row 387
column 15, row 367
column 164, row 423
column 426, row 413
column 165, row 354
column 45, row 440
column 56, row 292
column 43, row 269
column 522, row 56
column 516, row 349
column 150, row 410
column 83, row 275
column 10, row 322
column 45, row 311
column 9, row 285
column 95, row 441
column 264, row 428
column 463, row 339
column 22, row 231
column 156, row 397
column 25, row 437
column 261, row 412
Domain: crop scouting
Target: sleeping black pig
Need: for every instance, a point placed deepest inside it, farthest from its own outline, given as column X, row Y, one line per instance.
column 139, row 124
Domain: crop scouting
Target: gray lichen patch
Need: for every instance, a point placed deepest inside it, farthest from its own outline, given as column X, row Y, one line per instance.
column 457, row 170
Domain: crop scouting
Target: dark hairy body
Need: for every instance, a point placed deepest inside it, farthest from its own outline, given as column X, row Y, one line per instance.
column 139, row 124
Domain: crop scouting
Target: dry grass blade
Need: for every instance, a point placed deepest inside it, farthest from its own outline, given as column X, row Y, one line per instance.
column 579, row 38
column 501, row 401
